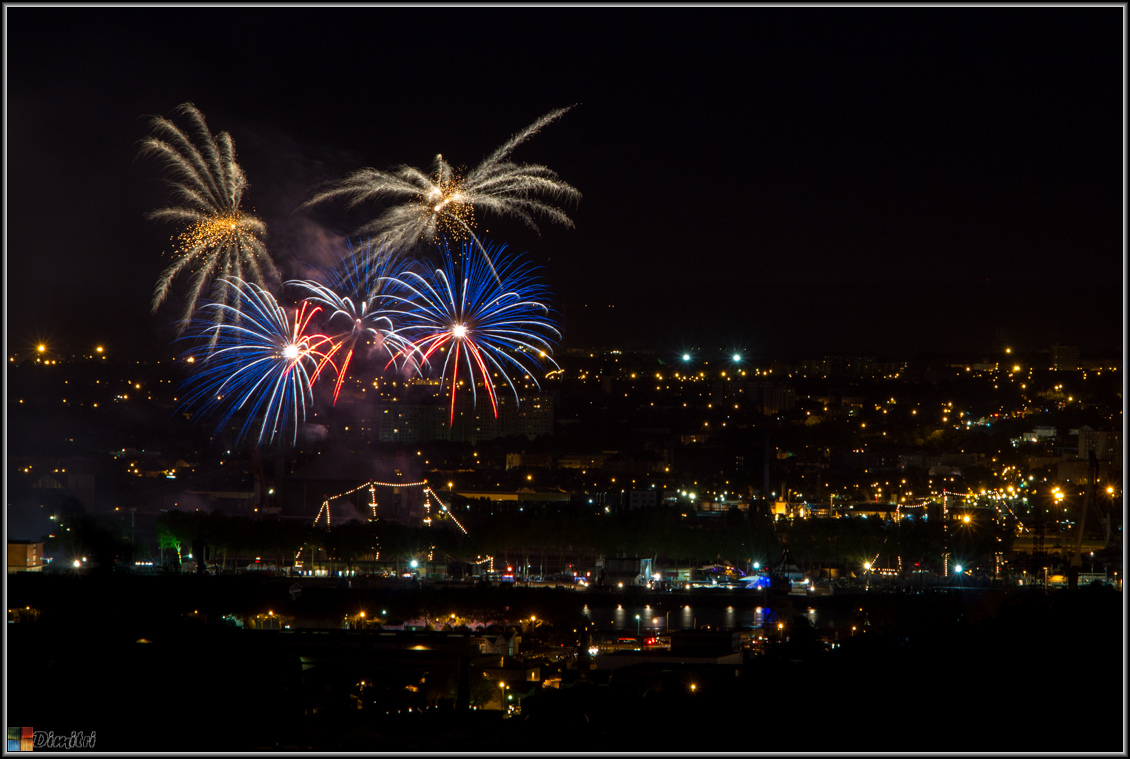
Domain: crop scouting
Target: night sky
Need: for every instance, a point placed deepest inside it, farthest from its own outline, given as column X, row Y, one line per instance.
column 781, row 181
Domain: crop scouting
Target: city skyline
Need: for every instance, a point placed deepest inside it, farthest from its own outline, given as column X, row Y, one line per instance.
column 770, row 181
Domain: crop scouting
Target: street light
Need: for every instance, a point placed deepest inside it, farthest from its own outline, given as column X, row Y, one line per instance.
column 637, row 624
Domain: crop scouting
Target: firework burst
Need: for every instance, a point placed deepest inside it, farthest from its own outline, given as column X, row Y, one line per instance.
column 220, row 240
column 264, row 362
column 443, row 202
column 487, row 320
column 356, row 296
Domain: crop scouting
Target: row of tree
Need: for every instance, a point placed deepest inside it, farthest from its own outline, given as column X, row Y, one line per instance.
column 550, row 535
column 737, row 537
column 212, row 537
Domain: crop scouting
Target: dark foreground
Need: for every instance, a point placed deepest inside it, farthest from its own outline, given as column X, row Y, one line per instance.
column 1019, row 671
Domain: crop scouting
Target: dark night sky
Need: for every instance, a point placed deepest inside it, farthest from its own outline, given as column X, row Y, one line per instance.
column 789, row 180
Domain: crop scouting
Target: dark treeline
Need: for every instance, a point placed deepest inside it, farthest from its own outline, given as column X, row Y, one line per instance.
column 737, row 537
column 552, row 536
column 214, row 537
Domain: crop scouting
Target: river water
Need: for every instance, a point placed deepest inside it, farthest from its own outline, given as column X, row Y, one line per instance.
column 646, row 619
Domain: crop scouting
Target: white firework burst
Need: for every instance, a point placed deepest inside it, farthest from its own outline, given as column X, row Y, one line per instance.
column 445, row 201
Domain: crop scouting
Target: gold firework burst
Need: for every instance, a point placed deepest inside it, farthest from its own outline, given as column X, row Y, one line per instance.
column 208, row 185
column 446, row 209
column 220, row 231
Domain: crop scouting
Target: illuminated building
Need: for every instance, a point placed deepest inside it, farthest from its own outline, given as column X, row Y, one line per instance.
column 25, row 556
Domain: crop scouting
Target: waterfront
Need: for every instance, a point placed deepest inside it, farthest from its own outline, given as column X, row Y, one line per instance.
column 141, row 658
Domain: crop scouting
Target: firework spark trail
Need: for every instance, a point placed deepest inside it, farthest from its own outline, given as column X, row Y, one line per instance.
column 207, row 184
column 486, row 322
column 355, row 295
column 442, row 202
column 266, row 362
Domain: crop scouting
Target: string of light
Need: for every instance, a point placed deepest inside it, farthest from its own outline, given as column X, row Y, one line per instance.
column 372, row 485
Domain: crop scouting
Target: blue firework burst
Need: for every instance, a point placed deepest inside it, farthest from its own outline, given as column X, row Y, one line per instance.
column 480, row 319
column 251, row 355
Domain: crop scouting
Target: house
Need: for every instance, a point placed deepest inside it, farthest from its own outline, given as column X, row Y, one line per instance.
column 505, row 669
column 504, row 644
column 25, row 556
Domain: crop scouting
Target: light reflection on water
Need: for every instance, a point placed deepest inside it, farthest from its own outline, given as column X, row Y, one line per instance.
column 653, row 619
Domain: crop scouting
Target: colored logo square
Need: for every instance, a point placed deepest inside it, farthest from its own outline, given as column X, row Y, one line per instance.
column 21, row 738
